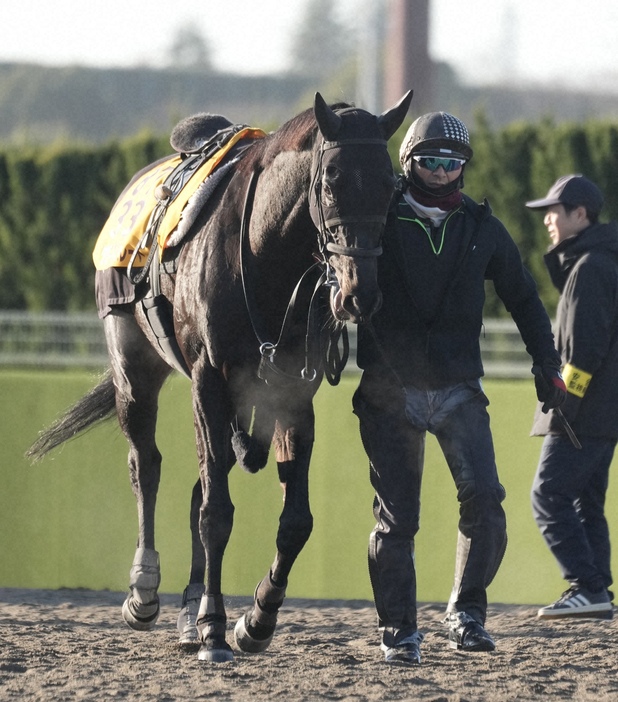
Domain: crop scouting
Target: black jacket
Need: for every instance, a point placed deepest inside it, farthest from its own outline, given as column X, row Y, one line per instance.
column 430, row 322
column 585, row 270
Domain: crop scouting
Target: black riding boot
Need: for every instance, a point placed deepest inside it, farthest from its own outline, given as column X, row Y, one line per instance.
column 476, row 564
column 393, row 580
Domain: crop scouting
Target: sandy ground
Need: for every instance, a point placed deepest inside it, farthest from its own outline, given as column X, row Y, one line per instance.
column 73, row 645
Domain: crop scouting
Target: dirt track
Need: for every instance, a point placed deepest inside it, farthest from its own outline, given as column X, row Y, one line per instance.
column 73, row 645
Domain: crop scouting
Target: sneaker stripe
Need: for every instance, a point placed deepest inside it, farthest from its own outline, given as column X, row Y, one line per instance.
column 577, row 601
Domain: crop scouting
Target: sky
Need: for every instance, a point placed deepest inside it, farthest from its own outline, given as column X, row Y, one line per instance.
column 571, row 42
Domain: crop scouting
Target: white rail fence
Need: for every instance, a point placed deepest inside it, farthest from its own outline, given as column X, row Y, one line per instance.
column 62, row 340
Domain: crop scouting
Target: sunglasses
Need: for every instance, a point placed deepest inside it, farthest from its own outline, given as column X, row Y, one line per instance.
column 432, row 163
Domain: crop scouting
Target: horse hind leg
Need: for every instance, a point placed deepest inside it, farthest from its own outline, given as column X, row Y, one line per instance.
column 189, row 612
column 192, row 595
column 140, row 609
column 138, row 374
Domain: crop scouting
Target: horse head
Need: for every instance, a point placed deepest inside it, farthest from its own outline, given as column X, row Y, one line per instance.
column 352, row 186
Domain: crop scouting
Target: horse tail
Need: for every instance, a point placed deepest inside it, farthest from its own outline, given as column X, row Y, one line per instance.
column 97, row 405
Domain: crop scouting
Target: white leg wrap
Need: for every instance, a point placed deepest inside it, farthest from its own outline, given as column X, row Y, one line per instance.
column 145, row 575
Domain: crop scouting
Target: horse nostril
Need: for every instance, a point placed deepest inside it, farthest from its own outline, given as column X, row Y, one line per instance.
column 362, row 309
column 352, row 306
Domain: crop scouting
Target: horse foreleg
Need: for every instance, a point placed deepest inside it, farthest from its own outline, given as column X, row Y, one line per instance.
column 216, row 518
column 254, row 631
column 212, row 417
column 192, row 595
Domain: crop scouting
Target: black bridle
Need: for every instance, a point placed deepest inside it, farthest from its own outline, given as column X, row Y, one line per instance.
column 319, row 275
column 317, row 207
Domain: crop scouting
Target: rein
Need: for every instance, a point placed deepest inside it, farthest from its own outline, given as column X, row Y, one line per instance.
column 316, row 275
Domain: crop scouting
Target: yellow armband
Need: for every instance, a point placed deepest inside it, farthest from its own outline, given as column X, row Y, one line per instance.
column 576, row 380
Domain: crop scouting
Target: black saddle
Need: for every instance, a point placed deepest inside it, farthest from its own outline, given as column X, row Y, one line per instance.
column 192, row 134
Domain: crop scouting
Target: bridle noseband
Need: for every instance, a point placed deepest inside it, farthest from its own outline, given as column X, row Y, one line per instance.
column 317, row 207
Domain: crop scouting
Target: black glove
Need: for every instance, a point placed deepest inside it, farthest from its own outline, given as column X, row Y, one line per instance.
column 550, row 387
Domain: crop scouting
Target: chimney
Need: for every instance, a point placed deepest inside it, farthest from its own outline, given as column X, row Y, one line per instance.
column 406, row 61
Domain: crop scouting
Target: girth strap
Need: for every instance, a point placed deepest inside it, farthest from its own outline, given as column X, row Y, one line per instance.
column 160, row 316
column 158, row 309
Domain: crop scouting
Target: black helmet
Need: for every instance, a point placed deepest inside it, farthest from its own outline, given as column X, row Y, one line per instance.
column 435, row 134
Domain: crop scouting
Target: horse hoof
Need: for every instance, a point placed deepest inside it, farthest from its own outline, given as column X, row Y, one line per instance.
column 215, row 653
column 140, row 617
column 248, row 643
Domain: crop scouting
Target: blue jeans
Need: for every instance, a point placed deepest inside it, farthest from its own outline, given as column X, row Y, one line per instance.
column 568, row 502
column 393, row 429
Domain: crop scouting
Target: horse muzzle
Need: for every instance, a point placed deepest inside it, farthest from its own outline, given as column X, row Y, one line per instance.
column 354, row 307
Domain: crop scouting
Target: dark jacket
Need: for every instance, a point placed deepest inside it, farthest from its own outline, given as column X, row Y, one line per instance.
column 585, row 270
column 430, row 322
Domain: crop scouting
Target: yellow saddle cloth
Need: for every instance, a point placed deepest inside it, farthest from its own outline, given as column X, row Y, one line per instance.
column 131, row 214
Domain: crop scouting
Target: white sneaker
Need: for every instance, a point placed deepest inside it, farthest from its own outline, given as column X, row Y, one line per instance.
column 579, row 602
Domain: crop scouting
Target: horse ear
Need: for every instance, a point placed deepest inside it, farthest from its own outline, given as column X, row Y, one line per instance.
column 391, row 120
column 328, row 121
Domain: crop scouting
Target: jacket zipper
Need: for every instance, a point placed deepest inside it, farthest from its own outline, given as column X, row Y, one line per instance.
column 428, row 231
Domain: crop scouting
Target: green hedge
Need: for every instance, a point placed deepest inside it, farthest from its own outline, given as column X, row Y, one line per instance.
column 54, row 201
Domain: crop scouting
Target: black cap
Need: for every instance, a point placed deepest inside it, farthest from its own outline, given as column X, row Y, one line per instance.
column 574, row 190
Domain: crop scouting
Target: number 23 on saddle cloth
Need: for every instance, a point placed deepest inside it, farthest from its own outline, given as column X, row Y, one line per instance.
column 131, row 214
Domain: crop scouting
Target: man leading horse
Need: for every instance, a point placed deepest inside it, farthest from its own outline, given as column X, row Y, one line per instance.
column 422, row 370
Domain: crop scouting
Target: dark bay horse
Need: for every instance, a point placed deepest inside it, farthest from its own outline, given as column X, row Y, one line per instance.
column 311, row 196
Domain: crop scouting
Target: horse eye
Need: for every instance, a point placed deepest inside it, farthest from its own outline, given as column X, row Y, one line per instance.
column 329, row 181
column 331, row 174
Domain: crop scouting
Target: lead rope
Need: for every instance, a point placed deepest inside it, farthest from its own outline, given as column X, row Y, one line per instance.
column 322, row 338
column 334, row 360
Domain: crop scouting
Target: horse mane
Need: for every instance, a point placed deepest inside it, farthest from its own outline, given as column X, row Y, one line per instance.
column 297, row 134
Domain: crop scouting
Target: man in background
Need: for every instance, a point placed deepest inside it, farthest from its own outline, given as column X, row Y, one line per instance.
column 568, row 493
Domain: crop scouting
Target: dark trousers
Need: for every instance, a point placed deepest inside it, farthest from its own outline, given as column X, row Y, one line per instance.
column 568, row 501
column 393, row 429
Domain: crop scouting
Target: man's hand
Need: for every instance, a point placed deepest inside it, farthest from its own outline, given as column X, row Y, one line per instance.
column 550, row 387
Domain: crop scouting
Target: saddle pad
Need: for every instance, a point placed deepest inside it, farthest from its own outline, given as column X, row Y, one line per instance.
column 131, row 213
